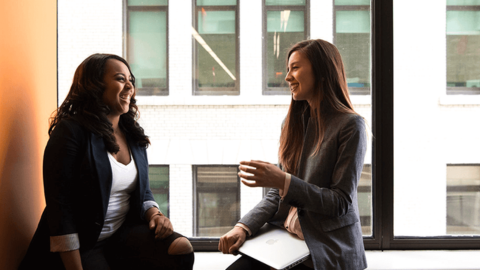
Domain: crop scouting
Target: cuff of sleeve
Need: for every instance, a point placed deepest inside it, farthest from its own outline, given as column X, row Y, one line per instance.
column 243, row 226
column 62, row 243
column 283, row 192
column 149, row 204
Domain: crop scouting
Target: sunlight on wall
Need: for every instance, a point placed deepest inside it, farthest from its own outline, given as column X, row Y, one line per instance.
column 28, row 91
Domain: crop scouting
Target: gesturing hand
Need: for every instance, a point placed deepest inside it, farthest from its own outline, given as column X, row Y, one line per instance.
column 162, row 226
column 264, row 174
column 232, row 241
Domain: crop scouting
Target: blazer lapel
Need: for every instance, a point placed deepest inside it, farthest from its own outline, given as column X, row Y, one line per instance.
column 142, row 165
column 103, row 169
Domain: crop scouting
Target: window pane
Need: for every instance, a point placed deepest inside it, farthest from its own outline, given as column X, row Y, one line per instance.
column 216, row 2
column 285, row 2
column 364, row 192
column 463, row 199
column 216, row 49
column 218, row 200
column 147, row 50
column 353, row 41
column 284, row 28
column 463, row 54
column 159, row 184
column 431, row 196
column 147, row 2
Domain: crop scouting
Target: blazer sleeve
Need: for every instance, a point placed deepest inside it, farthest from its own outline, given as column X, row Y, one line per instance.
column 61, row 163
column 262, row 212
column 148, row 199
column 337, row 199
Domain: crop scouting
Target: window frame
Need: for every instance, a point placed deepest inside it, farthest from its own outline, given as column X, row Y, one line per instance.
column 268, row 91
column 150, row 91
column 197, row 242
column 215, row 91
column 361, row 91
column 460, row 90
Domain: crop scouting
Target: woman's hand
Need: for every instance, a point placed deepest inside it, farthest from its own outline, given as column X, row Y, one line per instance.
column 160, row 223
column 232, row 241
column 263, row 173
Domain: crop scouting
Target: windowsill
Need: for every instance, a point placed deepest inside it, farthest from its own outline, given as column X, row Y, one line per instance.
column 232, row 100
column 377, row 260
column 459, row 100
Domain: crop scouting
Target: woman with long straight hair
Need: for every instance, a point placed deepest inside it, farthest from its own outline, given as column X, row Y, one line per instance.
column 101, row 213
column 322, row 148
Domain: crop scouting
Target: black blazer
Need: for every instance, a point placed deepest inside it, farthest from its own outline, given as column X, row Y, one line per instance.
column 77, row 179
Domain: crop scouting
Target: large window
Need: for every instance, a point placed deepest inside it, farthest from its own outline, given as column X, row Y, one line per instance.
column 216, row 61
column 146, row 45
column 217, row 199
column 463, row 43
column 159, row 176
column 285, row 23
column 352, row 38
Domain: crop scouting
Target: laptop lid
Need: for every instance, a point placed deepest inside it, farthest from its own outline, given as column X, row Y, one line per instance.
column 276, row 247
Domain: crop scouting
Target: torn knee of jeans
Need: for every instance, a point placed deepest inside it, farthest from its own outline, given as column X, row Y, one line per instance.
column 180, row 246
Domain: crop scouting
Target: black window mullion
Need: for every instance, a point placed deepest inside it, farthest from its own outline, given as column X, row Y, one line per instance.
column 382, row 116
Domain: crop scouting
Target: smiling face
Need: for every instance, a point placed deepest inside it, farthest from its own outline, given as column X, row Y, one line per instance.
column 118, row 87
column 300, row 77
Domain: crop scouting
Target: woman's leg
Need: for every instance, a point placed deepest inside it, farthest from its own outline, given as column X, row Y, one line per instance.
column 246, row 262
column 137, row 248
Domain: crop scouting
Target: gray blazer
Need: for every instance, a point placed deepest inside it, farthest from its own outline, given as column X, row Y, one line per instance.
column 324, row 190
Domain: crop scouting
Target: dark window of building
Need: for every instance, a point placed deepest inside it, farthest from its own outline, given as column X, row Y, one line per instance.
column 352, row 38
column 147, row 45
column 159, row 184
column 285, row 23
column 216, row 199
column 215, row 50
column 463, row 43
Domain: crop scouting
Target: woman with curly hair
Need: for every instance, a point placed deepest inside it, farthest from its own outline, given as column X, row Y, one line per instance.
column 100, row 212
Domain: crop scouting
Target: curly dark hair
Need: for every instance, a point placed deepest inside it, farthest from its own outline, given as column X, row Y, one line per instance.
column 84, row 104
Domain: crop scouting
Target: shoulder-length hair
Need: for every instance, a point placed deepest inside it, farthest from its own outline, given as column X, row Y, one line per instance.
column 84, row 104
column 331, row 97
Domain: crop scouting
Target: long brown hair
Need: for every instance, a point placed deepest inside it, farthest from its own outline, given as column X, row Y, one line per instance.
column 84, row 104
column 331, row 96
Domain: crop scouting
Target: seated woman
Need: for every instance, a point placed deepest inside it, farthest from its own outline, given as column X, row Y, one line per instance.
column 100, row 211
column 322, row 148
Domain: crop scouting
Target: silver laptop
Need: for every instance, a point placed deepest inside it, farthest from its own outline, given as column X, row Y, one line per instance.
column 276, row 247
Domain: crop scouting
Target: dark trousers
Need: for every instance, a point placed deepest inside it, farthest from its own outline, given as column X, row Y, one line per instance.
column 134, row 247
column 246, row 262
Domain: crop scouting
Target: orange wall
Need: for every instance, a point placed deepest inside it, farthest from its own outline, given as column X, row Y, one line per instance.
column 28, row 95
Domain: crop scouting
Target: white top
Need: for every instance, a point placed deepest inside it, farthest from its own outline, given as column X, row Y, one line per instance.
column 124, row 181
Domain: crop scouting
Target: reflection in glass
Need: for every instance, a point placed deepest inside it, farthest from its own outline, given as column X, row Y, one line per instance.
column 463, row 53
column 284, row 28
column 352, row 38
column 159, row 184
column 217, row 29
column 463, row 199
column 218, row 199
column 147, row 50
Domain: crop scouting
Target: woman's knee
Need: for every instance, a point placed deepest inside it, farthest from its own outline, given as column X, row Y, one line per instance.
column 180, row 246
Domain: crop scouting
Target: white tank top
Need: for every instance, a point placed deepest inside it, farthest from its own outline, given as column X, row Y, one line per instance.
column 124, row 181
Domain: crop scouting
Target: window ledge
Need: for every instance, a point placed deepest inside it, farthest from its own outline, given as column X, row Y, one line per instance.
column 377, row 260
column 460, row 100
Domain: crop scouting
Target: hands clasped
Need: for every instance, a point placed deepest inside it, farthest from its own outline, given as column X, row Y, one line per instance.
column 162, row 226
column 263, row 174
